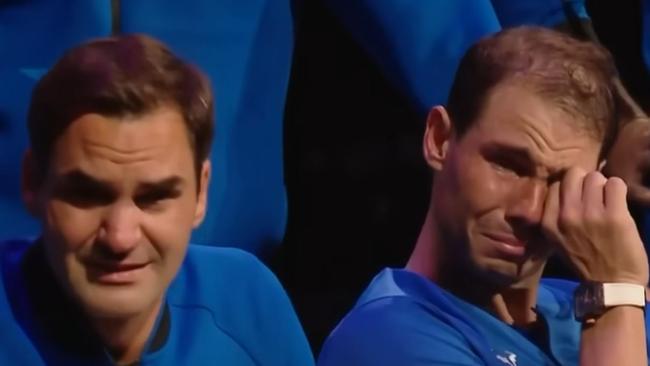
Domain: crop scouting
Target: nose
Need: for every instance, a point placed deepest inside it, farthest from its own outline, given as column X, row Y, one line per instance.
column 120, row 230
column 527, row 202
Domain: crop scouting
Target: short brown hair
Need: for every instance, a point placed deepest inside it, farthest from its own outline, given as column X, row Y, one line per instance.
column 119, row 76
column 575, row 75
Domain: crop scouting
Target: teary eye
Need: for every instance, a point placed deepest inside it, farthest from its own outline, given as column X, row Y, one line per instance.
column 510, row 164
column 508, row 159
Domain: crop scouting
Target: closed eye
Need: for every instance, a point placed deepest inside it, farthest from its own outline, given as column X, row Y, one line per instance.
column 154, row 197
column 152, row 194
column 510, row 165
column 509, row 160
column 82, row 190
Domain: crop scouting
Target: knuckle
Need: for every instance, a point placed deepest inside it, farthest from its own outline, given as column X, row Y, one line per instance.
column 548, row 225
column 594, row 218
column 575, row 172
column 619, row 220
column 569, row 219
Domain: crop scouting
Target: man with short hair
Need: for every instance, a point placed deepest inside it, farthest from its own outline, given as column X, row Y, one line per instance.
column 117, row 173
column 516, row 154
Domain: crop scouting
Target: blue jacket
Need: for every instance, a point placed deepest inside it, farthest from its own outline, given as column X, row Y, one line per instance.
column 405, row 319
column 223, row 308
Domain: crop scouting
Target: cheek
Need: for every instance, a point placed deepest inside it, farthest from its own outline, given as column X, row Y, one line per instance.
column 70, row 226
column 482, row 188
column 170, row 228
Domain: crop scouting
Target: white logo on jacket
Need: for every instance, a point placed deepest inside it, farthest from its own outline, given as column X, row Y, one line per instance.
column 508, row 358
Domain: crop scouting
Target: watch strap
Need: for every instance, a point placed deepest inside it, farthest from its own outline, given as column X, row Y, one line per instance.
column 616, row 294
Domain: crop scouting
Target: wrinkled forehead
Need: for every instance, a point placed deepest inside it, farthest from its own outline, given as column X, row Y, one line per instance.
column 156, row 141
column 514, row 115
column 585, row 108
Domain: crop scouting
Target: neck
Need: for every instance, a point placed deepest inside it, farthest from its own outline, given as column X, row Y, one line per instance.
column 513, row 304
column 125, row 339
column 426, row 255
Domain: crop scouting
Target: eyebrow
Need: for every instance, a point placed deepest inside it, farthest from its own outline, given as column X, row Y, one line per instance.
column 166, row 184
column 78, row 176
column 523, row 154
column 511, row 151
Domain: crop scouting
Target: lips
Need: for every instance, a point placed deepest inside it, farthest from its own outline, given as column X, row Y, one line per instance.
column 507, row 244
column 505, row 238
column 115, row 273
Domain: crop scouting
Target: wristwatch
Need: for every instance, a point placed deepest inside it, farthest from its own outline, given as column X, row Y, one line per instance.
column 592, row 299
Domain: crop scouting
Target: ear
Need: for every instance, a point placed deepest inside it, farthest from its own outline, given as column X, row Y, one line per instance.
column 202, row 197
column 437, row 137
column 29, row 184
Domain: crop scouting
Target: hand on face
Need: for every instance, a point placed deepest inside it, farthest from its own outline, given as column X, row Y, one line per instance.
column 586, row 216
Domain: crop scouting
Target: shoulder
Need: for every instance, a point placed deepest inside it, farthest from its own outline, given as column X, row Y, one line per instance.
column 244, row 299
column 396, row 330
column 224, row 277
column 229, row 255
column 221, row 260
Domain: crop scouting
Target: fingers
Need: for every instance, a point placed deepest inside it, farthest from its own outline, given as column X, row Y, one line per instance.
column 571, row 193
column 588, row 196
column 586, row 217
column 615, row 193
column 593, row 199
column 552, row 211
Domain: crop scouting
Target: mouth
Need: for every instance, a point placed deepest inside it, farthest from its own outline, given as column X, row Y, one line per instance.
column 115, row 273
column 507, row 245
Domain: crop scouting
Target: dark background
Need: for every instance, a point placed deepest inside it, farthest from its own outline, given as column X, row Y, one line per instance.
column 357, row 186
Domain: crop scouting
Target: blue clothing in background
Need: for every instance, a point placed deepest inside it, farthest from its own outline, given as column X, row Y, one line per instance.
column 223, row 308
column 33, row 35
column 418, row 44
column 244, row 46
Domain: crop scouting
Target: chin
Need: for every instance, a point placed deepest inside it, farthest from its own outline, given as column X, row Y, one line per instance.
column 502, row 273
column 117, row 302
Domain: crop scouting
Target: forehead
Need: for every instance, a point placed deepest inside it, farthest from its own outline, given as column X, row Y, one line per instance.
column 101, row 144
column 515, row 116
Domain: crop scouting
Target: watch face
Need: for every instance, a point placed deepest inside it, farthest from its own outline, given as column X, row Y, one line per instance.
column 588, row 300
